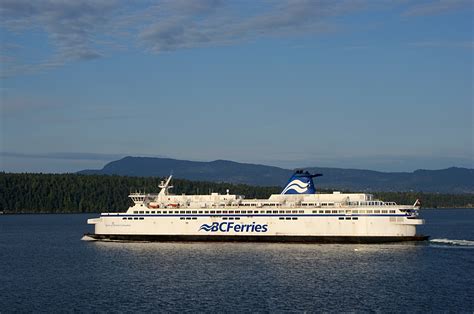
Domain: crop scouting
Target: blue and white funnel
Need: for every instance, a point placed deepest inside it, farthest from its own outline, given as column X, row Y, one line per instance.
column 301, row 183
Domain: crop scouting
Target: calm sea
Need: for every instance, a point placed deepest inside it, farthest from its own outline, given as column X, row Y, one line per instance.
column 45, row 267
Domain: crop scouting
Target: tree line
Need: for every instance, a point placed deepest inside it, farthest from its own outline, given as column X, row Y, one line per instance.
column 74, row 193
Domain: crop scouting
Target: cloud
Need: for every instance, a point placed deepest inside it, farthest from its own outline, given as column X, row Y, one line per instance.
column 73, row 28
column 438, row 7
column 83, row 30
column 219, row 23
column 443, row 44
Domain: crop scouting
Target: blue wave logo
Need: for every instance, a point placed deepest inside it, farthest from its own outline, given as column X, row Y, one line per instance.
column 205, row 227
column 296, row 185
column 300, row 183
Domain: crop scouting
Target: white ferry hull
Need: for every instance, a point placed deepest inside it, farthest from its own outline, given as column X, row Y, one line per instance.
column 263, row 228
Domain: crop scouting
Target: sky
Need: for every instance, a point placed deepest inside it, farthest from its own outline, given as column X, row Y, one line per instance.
column 381, row 85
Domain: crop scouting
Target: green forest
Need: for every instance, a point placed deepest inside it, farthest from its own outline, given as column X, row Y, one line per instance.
column 74, row 193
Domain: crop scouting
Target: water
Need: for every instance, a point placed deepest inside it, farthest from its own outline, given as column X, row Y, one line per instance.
column 46, row 268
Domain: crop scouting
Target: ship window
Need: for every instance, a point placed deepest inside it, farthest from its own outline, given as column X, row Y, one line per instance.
column 218, row 212
column 231, row 211
column 224, row 218
column 377, row 211
column 294, row 218
column 194, row 211
column 194, row 218
column 135, row 212
column 213, row 211
column 135, row 218
column 237, row 211
column 141, row 218
column 341, row 218
column 124, row 218
column 200, row 211
column 301, row 211
column 130, row 218
column 321, row 211
column 224, row 211
column 275, row 211
column 152, row 211
column 348, row 218
column 188, row 218
column 288, row 211
column 355, row 211
column 176, row 212
column 315, row 211
column 182, row 218
column 188, row 212
column 334, row 211
column 141, row 212
column 182, row 212
column 282, row 218
column 384, row 211
column 147, row 212
column 237, row 218
column 369, row 212
column 231, row 218
column 392, row 211
column 355, row 218
column 244, row 212
column 206, row 212
column 255, row 211
column 288, row 218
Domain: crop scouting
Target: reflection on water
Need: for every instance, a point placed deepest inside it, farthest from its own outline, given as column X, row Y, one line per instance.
column 45, row 267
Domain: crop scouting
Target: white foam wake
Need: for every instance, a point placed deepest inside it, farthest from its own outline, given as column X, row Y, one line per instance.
column 453, row 242
column 87, row 238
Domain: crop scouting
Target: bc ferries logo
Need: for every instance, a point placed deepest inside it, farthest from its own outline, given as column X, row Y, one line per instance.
column 300, row 183
column 230, row 226
column 297, row 185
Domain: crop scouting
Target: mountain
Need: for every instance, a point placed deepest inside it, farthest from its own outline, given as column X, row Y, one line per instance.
column 450, row 180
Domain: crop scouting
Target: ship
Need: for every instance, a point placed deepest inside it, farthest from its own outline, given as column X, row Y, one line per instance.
column 298, row 214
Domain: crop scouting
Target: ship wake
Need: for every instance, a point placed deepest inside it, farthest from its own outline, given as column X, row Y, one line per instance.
column 450, row 242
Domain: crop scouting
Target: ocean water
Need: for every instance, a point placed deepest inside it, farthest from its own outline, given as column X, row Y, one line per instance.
column 45, row 267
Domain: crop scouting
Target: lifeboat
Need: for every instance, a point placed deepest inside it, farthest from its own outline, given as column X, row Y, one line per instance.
column 153, row 205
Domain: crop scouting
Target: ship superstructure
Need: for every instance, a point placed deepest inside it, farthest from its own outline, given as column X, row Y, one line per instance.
column 298, row 214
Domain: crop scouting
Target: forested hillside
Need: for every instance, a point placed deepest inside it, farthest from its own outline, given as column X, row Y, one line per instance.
column 73, row 193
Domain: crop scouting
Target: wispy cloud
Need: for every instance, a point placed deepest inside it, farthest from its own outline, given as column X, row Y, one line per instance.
column 444, row 44
column 438, row 7
column 73, row 28
column 83, row 30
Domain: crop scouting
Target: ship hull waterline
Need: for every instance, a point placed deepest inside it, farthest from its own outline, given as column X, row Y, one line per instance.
column 252, row 238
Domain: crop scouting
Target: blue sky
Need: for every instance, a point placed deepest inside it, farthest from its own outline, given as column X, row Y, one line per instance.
column 382, row 85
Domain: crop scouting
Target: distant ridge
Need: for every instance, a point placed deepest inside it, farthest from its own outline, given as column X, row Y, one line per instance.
column 450, row 180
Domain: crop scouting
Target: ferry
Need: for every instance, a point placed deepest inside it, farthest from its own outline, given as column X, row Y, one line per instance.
column 298, row 214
